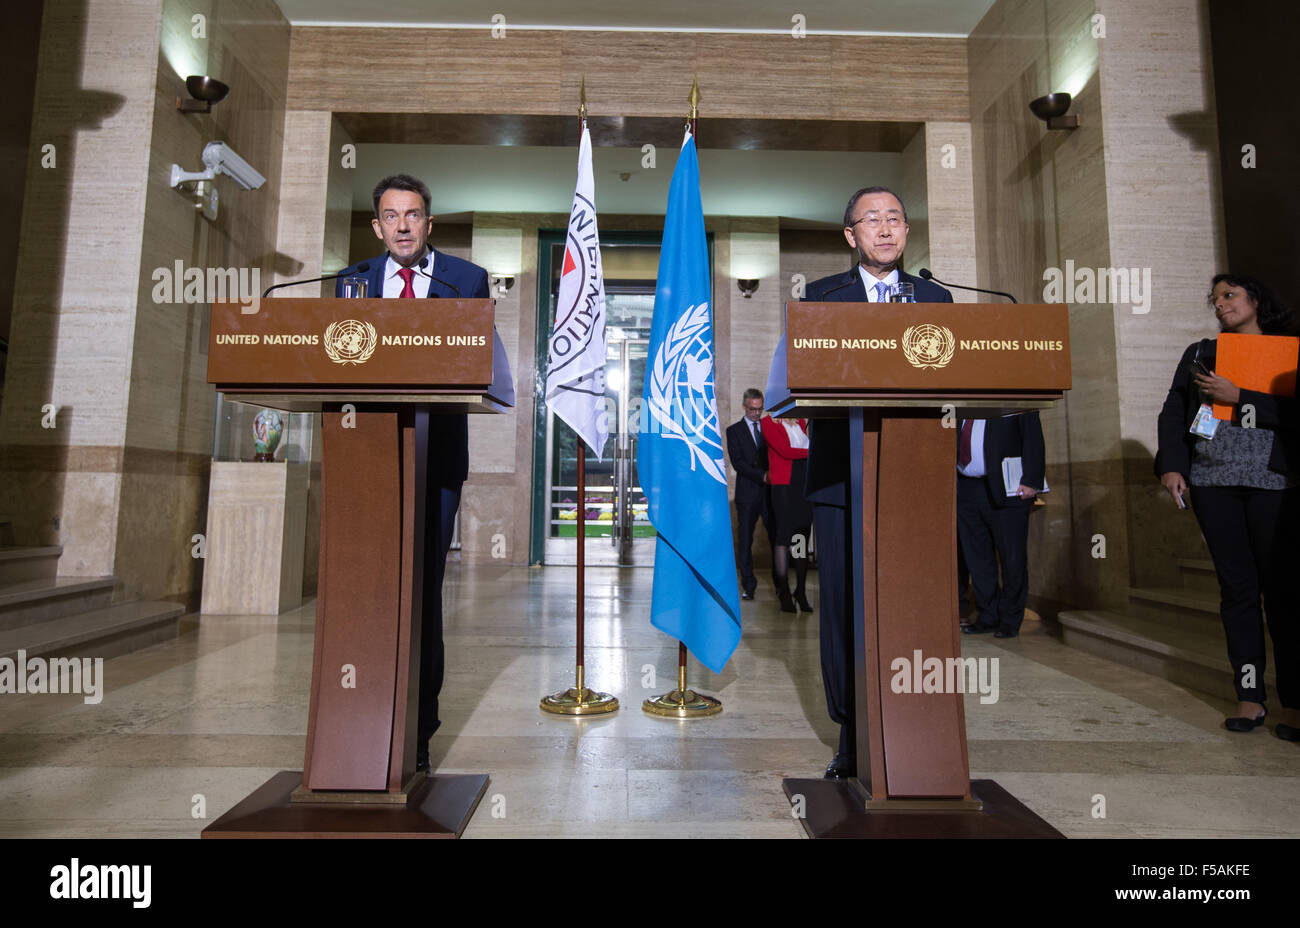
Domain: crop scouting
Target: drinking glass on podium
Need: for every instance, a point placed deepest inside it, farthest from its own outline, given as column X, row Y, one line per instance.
column 354, row 288
column 902, row 292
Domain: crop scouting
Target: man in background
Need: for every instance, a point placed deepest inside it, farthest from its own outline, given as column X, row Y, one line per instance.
column 993, row 515
column 748, row 456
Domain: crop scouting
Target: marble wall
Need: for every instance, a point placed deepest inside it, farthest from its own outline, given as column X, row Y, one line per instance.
column 1129, row 188
column 121, row 481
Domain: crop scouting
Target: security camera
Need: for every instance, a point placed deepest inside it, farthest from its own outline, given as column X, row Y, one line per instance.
column 220, row 158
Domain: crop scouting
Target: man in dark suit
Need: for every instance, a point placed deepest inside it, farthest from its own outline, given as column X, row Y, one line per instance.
column 411, row 269
column 993, row 525
column 875, row 226
column 749, row 457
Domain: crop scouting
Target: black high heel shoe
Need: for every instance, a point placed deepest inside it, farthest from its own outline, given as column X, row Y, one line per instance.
column 1241, row 723
column 1286, row 732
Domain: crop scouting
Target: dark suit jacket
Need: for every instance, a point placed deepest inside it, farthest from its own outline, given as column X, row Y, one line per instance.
column 1279, row 413
column 1019, row 436
column 448, row 435
column 828, row 439
column 749, row 462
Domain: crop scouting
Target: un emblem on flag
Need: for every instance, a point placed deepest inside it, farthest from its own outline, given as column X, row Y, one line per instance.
column 928, row 345
column 682, row 398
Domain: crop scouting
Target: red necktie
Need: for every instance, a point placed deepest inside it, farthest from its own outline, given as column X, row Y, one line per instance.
column 408, row 292
column 963, row 446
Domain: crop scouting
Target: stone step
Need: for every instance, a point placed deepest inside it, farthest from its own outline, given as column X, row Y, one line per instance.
column 1198, row 574
column 1175, row 605
column 34, row 601
column 1189, row 656
column 21, row 563
column 104, row 633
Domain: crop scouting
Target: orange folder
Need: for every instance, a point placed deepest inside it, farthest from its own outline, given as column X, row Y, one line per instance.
column 1266, row 363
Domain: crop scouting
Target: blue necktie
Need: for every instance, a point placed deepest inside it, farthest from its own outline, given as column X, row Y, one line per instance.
column 882, row 292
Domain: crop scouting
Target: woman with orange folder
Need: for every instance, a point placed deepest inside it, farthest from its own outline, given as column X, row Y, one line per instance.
column 1244, row 476
column 787, row 458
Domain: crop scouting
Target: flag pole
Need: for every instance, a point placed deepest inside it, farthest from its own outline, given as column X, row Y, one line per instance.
column 684, row 703
column 579, row 700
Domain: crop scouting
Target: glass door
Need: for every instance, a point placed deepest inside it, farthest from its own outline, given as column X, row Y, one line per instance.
column 617, row 526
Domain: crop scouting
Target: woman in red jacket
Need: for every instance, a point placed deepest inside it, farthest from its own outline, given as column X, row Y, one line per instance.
column 787, row 461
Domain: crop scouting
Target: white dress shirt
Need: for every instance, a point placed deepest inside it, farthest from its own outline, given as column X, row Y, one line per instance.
column 869, row 280
column 420, row 283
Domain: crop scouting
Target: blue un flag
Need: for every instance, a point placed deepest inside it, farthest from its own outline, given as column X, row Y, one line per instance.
column 679, row 456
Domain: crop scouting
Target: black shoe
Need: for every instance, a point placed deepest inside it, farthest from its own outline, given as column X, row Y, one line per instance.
column 976, row 628
column 787, row 603
column 1286, row 732
column 747, row 594
column 1241, row 723
column 1006, row 633
column 802, row 601
column 841, row 767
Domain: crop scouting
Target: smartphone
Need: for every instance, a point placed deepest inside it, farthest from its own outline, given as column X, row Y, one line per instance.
column 1182, row 504
column 1196, row 367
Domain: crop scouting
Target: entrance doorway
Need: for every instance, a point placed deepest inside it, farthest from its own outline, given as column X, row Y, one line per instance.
column 618, row 531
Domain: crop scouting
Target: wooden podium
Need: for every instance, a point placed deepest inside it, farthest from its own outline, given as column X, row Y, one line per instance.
column 377, row 370
column 903, row 374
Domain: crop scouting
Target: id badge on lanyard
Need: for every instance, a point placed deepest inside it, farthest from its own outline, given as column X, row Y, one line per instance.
column 1204, row 425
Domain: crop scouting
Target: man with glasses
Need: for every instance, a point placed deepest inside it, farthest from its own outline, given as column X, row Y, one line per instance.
column 410, row 269
column 875, row 226
column 748, row 455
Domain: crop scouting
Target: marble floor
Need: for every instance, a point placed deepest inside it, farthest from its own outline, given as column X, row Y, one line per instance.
column 187, row 728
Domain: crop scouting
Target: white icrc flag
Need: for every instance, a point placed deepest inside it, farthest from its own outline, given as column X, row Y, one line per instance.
column 575, row 365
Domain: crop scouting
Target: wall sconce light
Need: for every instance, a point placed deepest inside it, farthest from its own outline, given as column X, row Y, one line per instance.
column 504, row 283
column 205, row 92
column 747, row 286
column 1052, row 108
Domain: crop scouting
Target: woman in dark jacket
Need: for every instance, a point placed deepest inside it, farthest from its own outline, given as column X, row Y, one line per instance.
column 1243, row 478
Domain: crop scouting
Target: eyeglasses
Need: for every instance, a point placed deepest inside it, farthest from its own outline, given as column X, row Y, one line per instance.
column 875, row 221
column 414, row 217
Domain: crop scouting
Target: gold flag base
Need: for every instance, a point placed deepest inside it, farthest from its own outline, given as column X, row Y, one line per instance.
column 579, row 700
column 682, row 704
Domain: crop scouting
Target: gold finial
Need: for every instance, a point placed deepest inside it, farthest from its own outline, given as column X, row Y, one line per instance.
column 582, row 99
column 694, row 98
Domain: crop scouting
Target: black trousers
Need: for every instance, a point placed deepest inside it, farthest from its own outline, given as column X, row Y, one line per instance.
column 1251, row 534
column 834, row 580
column 440, row 519
column 990, row 534
column 747, row 515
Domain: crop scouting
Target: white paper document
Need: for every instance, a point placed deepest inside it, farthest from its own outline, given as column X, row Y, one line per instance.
column 1013, row 470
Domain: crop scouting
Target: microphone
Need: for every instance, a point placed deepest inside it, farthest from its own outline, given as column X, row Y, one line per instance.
column 359, row 269
column 926, row 275
column 424, row 262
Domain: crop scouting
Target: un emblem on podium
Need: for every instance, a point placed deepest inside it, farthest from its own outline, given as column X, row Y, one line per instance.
column 350, row 341
column 928, row 345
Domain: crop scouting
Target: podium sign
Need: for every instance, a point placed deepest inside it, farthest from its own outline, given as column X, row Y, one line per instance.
column 920, row 348
column 372, row 342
